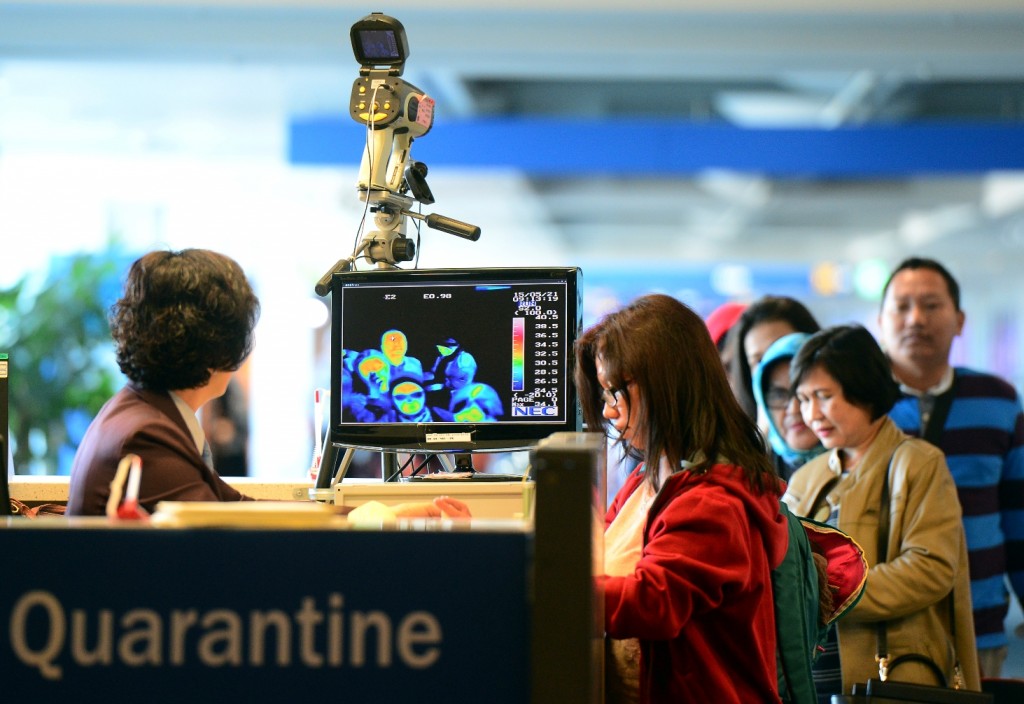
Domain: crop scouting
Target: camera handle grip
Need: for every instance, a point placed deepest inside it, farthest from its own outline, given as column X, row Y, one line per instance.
column 449, row 225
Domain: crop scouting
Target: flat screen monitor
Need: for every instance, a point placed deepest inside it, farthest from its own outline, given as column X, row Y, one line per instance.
column 453, row 360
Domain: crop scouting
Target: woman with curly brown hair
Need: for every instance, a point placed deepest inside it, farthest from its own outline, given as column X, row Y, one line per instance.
column 183, row 326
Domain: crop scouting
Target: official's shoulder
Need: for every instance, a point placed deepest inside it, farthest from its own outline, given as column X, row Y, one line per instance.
column 139, row 404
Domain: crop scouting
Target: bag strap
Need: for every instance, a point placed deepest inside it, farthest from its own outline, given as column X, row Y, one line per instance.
column 885, row 662
column 882, row 555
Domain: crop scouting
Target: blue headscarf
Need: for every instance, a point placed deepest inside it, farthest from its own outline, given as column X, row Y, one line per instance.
column 782, row 350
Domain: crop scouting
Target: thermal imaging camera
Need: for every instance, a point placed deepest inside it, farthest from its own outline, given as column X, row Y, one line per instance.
column 379, row 42
column 394, row 113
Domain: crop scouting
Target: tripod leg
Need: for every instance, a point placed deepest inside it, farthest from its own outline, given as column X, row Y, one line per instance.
column 328, row 463
column 389, row 466
column 346, row 462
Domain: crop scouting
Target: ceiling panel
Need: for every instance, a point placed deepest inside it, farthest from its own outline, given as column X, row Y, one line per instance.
column 229, row 75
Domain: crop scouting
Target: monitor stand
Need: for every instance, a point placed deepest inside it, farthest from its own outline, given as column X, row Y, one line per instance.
column 389, row 466
column 462, row 470
column 463, row 462
column 5, row 496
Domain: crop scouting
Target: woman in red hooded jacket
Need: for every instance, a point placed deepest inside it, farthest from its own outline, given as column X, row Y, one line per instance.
column 694, row 533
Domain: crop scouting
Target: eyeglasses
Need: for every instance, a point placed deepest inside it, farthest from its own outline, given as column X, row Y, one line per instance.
column 778, row 397
column 610, row 396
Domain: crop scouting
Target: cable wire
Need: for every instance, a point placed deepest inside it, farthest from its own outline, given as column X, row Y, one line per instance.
column 401, row 469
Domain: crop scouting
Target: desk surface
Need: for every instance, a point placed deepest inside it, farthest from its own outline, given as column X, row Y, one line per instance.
column 51, row 489
column 54, row 489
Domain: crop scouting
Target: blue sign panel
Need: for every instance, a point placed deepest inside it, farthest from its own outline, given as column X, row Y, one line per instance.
column 264, row 616
column 593, row 147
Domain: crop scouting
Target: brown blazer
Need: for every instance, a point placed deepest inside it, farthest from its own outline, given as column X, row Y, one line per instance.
column 148, row 424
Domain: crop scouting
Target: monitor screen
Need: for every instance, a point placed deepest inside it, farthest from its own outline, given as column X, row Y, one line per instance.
column 453, row 360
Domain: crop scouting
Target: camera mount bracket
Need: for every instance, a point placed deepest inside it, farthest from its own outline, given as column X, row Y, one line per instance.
column 395, row 113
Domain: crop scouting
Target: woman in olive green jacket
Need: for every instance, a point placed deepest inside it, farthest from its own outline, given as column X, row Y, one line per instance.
column 845, row 388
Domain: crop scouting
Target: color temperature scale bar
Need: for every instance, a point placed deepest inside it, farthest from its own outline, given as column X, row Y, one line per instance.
column 518, row 354
column 4, row 417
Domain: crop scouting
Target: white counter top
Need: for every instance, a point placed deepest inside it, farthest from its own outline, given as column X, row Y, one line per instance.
column 54, row 489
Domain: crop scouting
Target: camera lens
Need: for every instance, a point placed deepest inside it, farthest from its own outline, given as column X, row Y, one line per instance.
column 403, row 250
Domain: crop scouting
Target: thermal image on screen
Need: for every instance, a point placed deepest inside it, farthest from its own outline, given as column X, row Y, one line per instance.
column 518, row 356
column 452, row 352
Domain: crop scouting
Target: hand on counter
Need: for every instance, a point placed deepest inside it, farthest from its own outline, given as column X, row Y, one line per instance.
column 440, row 507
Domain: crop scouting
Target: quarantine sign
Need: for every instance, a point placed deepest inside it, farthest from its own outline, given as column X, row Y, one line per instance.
column 124, row 614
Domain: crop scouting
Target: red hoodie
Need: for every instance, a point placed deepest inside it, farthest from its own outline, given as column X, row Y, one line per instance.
column 700, row 600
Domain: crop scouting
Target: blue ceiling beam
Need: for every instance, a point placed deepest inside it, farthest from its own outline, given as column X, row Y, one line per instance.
column 566, row 148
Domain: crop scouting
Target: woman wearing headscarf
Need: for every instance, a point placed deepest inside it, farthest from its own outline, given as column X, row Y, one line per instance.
column 792, row 442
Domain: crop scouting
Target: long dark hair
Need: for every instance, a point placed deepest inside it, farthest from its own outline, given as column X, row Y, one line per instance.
column 687, row 408
column 767, row 309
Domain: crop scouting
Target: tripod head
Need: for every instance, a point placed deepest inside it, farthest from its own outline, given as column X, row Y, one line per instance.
column 394, row 112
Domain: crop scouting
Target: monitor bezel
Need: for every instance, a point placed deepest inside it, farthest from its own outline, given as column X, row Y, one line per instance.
column 451, row 437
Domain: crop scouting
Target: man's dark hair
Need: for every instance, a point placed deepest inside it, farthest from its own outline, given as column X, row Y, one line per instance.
column 932, row 265
column 851, row 356
column 183, row 315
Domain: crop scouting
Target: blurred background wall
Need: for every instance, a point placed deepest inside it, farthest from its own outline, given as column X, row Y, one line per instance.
column 715, row 151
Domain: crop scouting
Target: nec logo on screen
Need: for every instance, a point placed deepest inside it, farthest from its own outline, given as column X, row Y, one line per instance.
column 534, row 411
